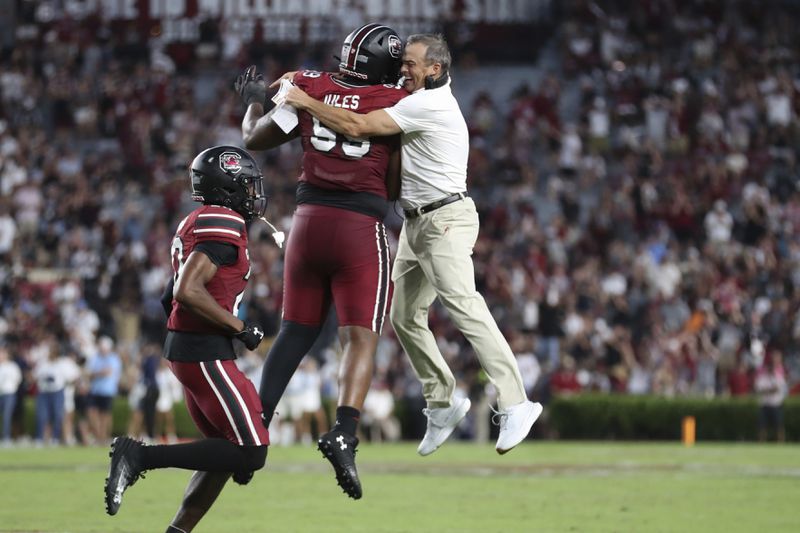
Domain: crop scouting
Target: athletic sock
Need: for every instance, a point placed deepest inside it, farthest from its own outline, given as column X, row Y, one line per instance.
column 347, row 420
column 291, row 345
column 173, row 529
column 205, row 455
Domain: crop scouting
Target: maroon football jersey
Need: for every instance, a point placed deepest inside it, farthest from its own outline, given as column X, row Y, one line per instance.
column 211, row 223
column 335, row 161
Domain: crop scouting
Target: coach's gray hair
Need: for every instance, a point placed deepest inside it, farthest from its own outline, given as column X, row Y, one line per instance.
column 438, row 51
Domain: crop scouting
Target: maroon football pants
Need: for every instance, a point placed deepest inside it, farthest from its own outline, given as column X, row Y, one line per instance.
column 340, row 255
column 222, row 402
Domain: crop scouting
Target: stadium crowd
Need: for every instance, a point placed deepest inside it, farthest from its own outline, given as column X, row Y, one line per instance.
column 642, row 237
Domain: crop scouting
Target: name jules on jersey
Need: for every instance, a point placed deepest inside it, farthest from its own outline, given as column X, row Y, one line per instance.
column 349, row 101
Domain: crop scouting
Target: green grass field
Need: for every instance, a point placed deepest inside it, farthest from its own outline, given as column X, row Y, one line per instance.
column 551, row 486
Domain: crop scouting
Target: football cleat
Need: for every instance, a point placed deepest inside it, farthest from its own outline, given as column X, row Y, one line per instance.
column 340, row 449
column 125, row 469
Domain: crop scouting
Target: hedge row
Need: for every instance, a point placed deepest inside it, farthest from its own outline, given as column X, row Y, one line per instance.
column 644, row 417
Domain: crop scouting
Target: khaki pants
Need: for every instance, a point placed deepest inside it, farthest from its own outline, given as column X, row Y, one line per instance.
column 434, row 258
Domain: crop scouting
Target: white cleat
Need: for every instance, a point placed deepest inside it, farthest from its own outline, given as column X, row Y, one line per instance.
column 515, row 424
column 441, row 423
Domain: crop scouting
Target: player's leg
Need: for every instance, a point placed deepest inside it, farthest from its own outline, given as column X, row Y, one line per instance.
column 361, row 292
column 225, row 407
column 204, row 486
column 355, row 370
column 355, row 375
column 200, row 495
column 305, row 305
column 293, row 342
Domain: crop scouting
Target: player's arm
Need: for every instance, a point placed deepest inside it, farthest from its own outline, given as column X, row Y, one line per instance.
column 190, row 292
column 260, row 132
column 376, row 123
column 393, row 174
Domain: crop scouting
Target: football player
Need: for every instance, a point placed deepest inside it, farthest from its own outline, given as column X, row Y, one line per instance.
column 211, row 267
column 337, row 250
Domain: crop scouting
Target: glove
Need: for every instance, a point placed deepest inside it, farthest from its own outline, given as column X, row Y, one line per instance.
column 251, row 336
column 251, row 86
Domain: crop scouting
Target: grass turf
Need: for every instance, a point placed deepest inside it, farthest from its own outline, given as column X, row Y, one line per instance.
column 549, row 486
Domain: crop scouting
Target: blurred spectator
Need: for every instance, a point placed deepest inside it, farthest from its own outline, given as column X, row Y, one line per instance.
column 770, row 385
column 8, row 229
column 529, row 368
column 72, row 374
column 564, row 381
column 144, row 394
column 51, row 378
column 379, row 420
column 301, row 403
column 719, row 223
column 105, row 370
column 740, row 382
column 550, row 327
column 170, row 391
column 10, row 379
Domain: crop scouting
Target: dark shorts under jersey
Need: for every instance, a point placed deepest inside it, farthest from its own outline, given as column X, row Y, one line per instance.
column 222, row 402
column 336, row 254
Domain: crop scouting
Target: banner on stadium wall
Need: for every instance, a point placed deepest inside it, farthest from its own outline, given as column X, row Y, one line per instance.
column 306, row 21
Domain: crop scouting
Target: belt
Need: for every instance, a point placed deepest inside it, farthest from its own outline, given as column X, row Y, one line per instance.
column 418, row 211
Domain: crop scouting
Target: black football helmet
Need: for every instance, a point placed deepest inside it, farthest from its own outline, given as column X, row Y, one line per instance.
column 230, row 177
column 373, row 53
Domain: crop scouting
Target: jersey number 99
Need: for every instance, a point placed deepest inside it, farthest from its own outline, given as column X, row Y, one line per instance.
column 325, row 139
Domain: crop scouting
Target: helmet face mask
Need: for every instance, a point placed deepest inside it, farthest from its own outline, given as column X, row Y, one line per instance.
column 229, row 176
column 373, row 54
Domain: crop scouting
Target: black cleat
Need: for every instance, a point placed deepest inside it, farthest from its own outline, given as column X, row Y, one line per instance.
column 123, row 472
column 340, row 449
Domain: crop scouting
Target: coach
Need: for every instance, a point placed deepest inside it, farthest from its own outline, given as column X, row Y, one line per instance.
column 439, row 232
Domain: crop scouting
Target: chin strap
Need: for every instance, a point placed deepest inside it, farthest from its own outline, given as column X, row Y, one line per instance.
column 277, row 236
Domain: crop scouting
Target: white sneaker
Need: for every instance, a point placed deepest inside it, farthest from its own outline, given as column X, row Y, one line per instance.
column 441, row 423
column 515, row 423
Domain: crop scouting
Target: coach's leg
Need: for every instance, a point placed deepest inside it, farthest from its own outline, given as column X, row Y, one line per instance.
column 413, row 296
column 450, row 268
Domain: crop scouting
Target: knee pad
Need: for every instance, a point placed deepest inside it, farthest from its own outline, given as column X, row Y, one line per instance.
column 256, row 457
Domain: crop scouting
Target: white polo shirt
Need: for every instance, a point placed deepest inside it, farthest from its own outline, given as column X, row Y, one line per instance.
column 434, row 146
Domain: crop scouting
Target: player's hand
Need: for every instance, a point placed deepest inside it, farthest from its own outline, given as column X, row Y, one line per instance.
column 297, row 98
column 288, row 76
column 251, row 336
column 251, row 86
